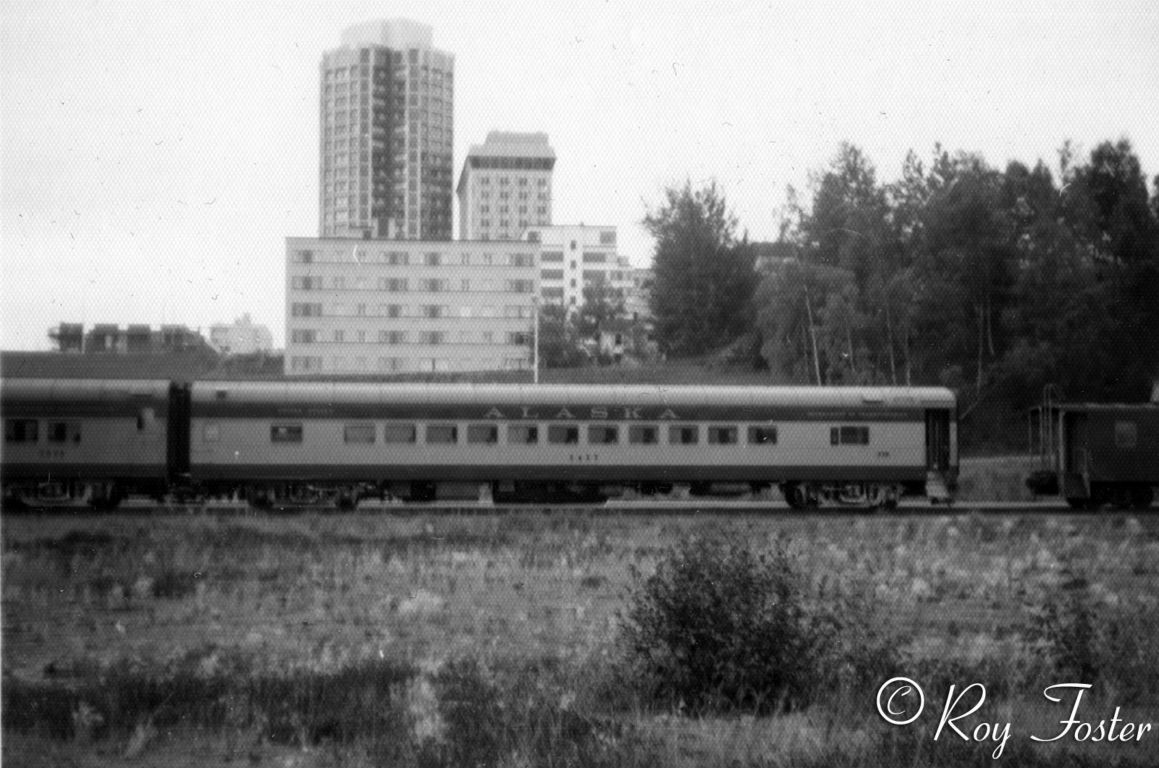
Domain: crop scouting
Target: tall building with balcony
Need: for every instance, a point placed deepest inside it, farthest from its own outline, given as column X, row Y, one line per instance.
column 386, row 134
column 574, row 257
column 505, row 186
column 385, row 306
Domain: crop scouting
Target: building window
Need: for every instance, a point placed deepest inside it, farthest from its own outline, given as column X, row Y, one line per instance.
column 300, row 309
column 358, row 433
column 551, row 256
column 286, row 433
column 762, row 435
column 303, row 336
column 608, row 237
column 849, row 436
column 685, row 434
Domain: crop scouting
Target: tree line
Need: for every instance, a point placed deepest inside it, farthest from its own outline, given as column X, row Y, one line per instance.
column 994, row 282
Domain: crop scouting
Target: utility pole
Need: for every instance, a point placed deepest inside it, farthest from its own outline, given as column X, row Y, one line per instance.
column 535, row 333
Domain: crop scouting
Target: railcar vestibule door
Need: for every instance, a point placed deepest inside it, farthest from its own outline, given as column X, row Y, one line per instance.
column 938, row 440
column 1075, row 440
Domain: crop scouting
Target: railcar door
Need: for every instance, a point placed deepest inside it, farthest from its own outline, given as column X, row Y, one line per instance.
column 1076, row 453
column 938, row 440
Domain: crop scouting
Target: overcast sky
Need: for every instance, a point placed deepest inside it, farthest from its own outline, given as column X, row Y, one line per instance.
column 156, row 155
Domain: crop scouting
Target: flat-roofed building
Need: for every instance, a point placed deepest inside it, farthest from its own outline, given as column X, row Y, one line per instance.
column 505, row 186
column 392, row 306
column 241, row 337
column 573, row 257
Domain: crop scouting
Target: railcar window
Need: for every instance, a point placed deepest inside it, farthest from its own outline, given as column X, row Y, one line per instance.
column 560, row 434
column 522, row 434
column 286, row 433
column 1126, row 434
column 603, row 434
column 63, row 432
column 762, row 435
column 358, row 433
column 442, row 434
column 849, row 436
column 643, row 434
column 484, row 434
column 683, row 435
column 145, row 418
column 400, row 433
column 722, row 435
column 20, row 430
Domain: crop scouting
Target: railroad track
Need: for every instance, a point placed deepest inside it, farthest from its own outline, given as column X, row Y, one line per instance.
column 612, row 507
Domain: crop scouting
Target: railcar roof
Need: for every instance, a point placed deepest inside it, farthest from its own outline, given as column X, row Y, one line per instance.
column 548, row 394
column 1147, row 407
column 83, row 389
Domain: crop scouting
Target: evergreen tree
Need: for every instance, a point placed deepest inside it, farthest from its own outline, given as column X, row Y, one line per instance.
column 704, row 277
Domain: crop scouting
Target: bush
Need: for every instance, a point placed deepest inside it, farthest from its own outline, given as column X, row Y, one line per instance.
column 1078, row 638
column 719, row 627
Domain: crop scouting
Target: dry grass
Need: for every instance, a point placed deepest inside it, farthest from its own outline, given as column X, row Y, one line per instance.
column 324, row 594
column 996, row 478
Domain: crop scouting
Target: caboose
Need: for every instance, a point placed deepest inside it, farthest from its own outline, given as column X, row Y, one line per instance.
column 1099, row 453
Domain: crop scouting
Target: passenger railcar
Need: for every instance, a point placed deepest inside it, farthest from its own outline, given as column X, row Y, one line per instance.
column 80, row 441
column 307, row 443
column 1099, row 453
column 303, row 442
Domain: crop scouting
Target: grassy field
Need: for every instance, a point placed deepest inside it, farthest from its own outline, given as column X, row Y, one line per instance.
column 488, row 639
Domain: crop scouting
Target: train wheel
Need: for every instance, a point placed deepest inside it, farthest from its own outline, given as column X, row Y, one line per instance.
column 105, row 497
column 797, row 496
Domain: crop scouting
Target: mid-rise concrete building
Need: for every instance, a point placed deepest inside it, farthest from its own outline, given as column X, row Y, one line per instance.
column 638, row 298
column 378, row 306
column 573, row 257
column 505, row 186
column 386, row 134
column 241, row 337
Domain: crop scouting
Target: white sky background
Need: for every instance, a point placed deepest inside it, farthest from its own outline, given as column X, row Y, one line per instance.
column 156, row 155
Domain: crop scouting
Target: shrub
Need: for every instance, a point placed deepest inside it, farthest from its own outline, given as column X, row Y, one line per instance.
column 1079, row 638
column 719, row 627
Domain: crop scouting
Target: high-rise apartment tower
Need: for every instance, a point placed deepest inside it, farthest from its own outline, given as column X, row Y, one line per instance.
column 386, row 134
column 505, row 186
